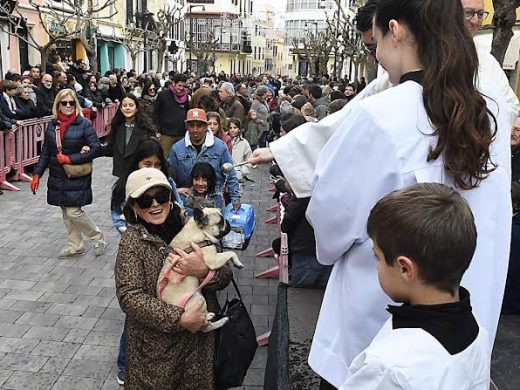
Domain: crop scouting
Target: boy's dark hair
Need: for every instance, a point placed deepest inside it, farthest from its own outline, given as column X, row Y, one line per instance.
column 365, row 15
column 293, row 122
column 432, row 225
column 178, row 77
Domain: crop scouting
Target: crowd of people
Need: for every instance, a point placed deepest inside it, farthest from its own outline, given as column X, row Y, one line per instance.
column 173, row 133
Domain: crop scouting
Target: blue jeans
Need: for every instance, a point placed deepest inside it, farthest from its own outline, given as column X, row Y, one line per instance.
column 307, row 272
column 121, row 357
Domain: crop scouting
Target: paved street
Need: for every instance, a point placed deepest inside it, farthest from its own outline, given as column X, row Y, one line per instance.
column 60, row 321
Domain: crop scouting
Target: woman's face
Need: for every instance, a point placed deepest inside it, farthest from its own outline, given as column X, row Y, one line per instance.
column 213, row 125
column 93, row 79
column 152, row 91
column 150, row 162
column 233, row 130
column 157, row 213
column 128, row 108
column 93, row 87
column 26, row 82
column 200, row 185
column 67, row 105
column 388, row 51
column 25, row 94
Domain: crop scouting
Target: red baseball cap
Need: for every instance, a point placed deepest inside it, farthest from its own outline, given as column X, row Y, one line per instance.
column 196, row 115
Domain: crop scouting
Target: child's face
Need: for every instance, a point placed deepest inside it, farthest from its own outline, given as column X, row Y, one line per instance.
column 253, row 115
column 389, row 276
column 213, row 125
column 233, row 130
column 200, row 185
column 150, row 162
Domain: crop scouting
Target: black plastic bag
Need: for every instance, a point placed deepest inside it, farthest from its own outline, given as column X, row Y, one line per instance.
column 236, row 344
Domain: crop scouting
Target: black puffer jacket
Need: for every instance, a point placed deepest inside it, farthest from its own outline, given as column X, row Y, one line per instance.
column 169, row 115
column 62, row 191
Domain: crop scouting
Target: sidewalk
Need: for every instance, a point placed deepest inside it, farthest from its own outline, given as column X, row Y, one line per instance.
column 60, row 321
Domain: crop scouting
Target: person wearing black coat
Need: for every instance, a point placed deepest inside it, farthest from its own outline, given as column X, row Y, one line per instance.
column 80, row 145
column 129, row 128
column 45, row 96
column 94, row 95
column 26, row 107
column 169, row 112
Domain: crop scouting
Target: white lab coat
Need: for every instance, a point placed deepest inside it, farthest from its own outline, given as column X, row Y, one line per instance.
column 382, row 146
column 412, row 359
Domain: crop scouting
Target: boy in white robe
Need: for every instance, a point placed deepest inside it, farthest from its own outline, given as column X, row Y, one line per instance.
column 424, row 237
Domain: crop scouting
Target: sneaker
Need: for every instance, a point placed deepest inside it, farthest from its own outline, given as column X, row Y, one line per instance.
column 99, row 247
column 68, row 252
column 121, row 378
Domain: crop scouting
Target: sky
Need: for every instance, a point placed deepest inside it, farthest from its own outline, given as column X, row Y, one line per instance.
column 279, row 8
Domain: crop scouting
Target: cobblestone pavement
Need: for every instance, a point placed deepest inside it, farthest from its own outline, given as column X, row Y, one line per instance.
column 60, row 321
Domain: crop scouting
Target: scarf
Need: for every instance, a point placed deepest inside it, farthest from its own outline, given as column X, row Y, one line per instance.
column 179, row 98
column 65, row 121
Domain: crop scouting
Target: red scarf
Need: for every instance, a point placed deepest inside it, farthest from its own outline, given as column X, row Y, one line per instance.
column 179, row 98
column 65, row 121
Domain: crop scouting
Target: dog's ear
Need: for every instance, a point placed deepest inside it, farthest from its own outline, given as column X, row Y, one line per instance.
column 199, row 216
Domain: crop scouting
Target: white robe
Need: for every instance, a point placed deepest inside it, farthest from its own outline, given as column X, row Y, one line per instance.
column 380, row 147
column 412, row 359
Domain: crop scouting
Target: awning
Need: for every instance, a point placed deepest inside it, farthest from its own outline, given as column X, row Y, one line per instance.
column 513, row 50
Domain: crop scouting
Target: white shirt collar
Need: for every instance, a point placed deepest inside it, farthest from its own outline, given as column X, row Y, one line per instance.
column 209, row 141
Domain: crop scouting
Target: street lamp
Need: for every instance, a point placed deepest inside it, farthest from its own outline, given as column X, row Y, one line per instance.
column 191, row 31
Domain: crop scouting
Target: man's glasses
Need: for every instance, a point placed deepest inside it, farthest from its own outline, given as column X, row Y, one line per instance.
column 370, row 48
column 469, row 13
column 70, row 103
column 145, row 201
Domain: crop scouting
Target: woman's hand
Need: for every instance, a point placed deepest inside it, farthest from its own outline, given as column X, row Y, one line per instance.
column 183, row 191
column 191, row 264
column 194, row 319
column 261, row 156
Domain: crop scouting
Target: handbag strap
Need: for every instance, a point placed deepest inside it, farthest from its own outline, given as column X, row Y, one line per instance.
column 58, row 138
column 236, row 288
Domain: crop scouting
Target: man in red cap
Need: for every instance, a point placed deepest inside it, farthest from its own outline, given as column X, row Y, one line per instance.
column 199, row 145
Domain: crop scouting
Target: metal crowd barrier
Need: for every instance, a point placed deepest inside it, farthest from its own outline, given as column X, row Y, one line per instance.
column 20, row 146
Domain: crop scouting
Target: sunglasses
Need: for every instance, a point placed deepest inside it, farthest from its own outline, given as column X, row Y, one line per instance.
column 152, row 89
column 70, row 103
column 145, row 201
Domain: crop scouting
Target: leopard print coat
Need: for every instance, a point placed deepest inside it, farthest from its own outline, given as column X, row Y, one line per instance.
column 160, row 355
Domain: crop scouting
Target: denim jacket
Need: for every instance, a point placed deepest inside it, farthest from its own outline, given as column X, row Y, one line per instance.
column 184, row 156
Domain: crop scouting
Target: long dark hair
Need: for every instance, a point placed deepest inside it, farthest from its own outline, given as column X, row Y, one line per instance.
column 148, row 148
column 454, row 106
column 141, row 119
column 205, row 171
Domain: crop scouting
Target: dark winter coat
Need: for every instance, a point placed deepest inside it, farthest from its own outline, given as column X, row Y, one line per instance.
column 122, row 154
column 147, row 104
column 160, row 356
column 95, row 97
column 299, row 231
column 26, row 108
column 62, row 191
column 168, row 115
column 116, row 92
column 233, row 109
column 44, row 100
column 4, row 106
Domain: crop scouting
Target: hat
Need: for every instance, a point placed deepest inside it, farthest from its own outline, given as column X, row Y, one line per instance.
column 142, row 180
column 196, row 115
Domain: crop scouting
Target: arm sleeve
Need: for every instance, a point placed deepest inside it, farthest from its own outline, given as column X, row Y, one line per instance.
column 373, row 374
column 44, row 158
column 355, row 169
column 132, row 292
column 294, row 214
column 92, row 140
column 232, row 181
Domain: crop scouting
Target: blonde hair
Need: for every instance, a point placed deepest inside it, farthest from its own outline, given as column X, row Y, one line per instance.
column 60, row 95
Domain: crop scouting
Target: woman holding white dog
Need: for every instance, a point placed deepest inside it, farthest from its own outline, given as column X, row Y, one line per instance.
column 165, row 348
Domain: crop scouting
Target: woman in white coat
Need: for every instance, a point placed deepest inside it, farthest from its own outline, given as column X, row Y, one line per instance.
column 433, row 126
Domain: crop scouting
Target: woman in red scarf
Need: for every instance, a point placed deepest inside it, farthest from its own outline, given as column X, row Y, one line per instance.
column 80, row 145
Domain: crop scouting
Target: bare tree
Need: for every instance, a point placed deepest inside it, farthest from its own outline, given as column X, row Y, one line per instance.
column 134, row 42
column 73, row 20
column 166, row 19
column 203, row 50
column 317, row 49
column 504, row 19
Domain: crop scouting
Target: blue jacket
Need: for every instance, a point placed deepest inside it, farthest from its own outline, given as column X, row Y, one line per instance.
column 62, row 191
column 184, row 156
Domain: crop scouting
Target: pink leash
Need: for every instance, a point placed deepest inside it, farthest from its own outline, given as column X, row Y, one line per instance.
column 186, row 298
